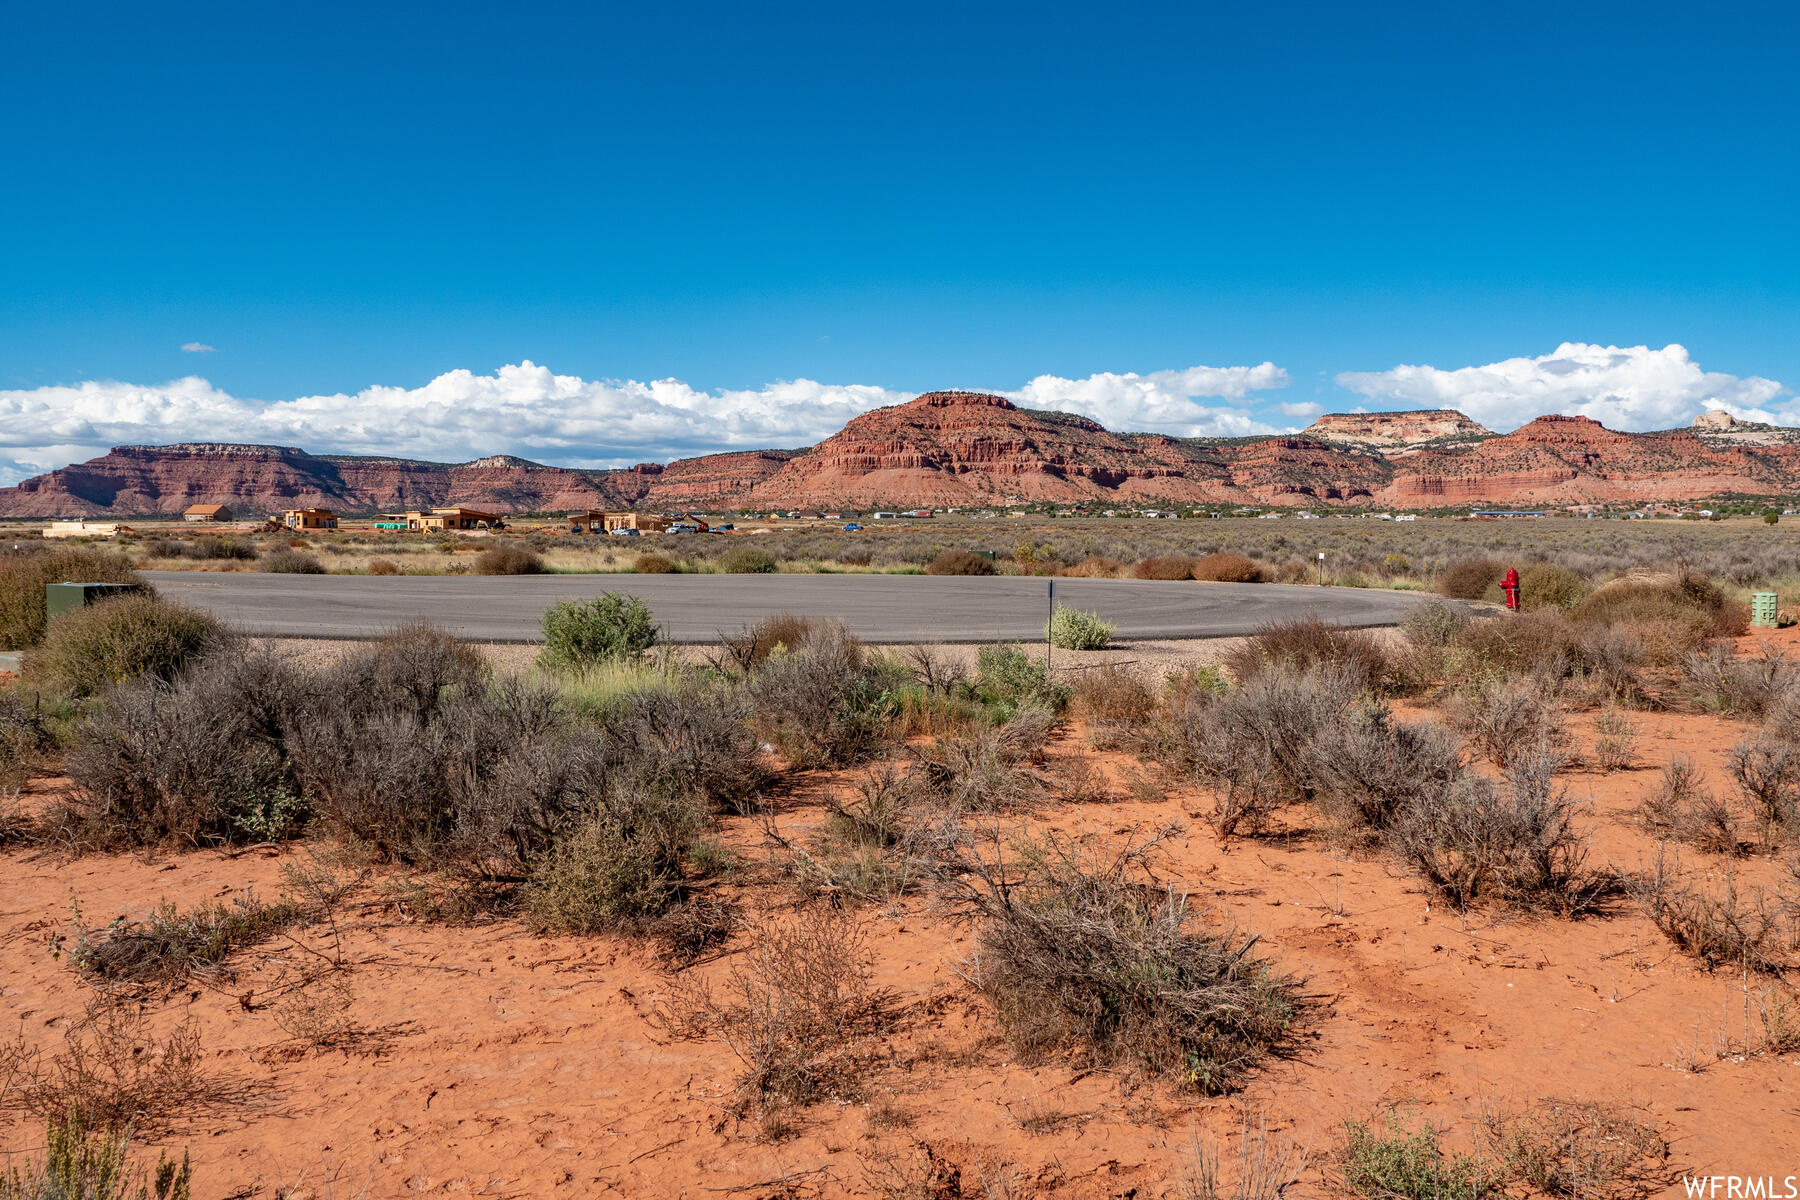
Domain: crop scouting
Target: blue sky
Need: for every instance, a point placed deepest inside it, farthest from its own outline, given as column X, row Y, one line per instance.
column 346, row 203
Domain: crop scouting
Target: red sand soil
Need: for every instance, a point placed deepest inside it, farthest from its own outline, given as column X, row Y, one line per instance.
column 497, row 1062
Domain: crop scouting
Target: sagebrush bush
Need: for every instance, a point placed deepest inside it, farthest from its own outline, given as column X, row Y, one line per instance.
column 614, row 870
column 1766, row 769
column 1689, row 599
column 1007, row 678
column 1168, row 566
column 1683, row 808
column 118, row 640
column 1747, row 685
column 746, row 560
column 585, row 633
column 383, row 566
column 24, row 576
column 1433, row 624
column 1545, row 644
column 1077, row 954
column 1072, row 629
column 1550, row 585
column 84, row 1164
column 960, row 562
column 24, row 739
column 1503, row 718
column 654, row 564
column 509, row 558
column 1728, row 929
column 1113, row 693
column 819, row 704
column 1470, row 578
column 750, row 645
column 1307, row 642
column 1228, row 568
column 290, row 562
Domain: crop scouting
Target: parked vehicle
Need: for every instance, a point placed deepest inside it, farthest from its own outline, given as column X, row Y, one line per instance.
column 625, row 533
column 852, row 528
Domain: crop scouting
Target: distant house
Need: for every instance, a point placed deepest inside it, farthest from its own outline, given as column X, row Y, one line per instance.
column 452, row 520
column 595, row 521
column 207, row 512
column 309, row 518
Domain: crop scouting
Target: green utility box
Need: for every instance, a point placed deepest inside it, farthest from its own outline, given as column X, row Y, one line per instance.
column 62, row 598
column 1762, row 609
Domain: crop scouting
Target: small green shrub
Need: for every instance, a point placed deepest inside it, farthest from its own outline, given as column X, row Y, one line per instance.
column 585, row 633
column 118, row 640
column 1007, row 677
column 1404, row 1160
column 1549, row 585
column 289, row 562
column 24, row 576
column 80, row 1164
column 960, row 562
column 746, row 560
column 1072, row 629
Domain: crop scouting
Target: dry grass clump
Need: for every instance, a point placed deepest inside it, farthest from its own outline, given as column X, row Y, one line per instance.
column 1748, row 685
column 745, row 560
column 509, row 558
column 171, row 945
column 1682, row 808
column 778, row 634
column 1079, row 953
column 1689, row 600
column 654, row 564
column 1167, row 566
column 1469, row 578
column 960, row 562
column 986, row 770
column 383, row 566
column 1615, row 740
column 793, row 1009
column 22, row 581
column 1514, row 842
column 121, row 639
column 1267, row 1165
column 1307, row 642
column 114, row 1074
column 1576, row 1149
column 1225, row 567
column 24, row 741
column 1096, row 566
column 1112, row 694
column 1744, row 932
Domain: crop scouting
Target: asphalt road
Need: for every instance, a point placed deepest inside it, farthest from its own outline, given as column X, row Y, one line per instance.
column 696, row 608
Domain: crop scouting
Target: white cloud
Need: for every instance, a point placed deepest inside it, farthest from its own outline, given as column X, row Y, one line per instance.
column 1631, row 387
column 196, row 348
column 528, row 410
column 1303, row 410
column 1160, row 402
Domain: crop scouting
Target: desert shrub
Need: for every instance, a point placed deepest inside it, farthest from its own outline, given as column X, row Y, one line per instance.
column 819, row 704
column 690, row 740
column 584, row 633
column 1550, row 585
column 509, row 558
column 1470, row 578
column 1689, row 599
column 1096, row 567
column 117, row 640
column 1170, row 566
column 1726, row 930
column 289, row 562
column 750, row 645
column 1683, row 808
column 1307, row 642
column 1747, row 685
column 1405, row 1160
column 24, row 739
column 1545, row 644
column 82, row 1164
column 1077, row 954
column 1433, row 624
column 24, row 576
column 1766, row 769
column 1229, row 568
column 200, row 761
column 1615, row 740
column 960, row 562
column 982, row 771
column 1515, row 843
column 170, row 945
column 746, row 560
column 411, row 669
column 1072, row 629
column 1503, row 718
column 1368, row 769
column 383, row 566
column 654, row 564
column 1007, row 678
column 1267, row 1165
column 1112, row 693
column 615, row 869
column 114, row 1074
column 793, row 1008
column 203, row 549
column 1575, row 1149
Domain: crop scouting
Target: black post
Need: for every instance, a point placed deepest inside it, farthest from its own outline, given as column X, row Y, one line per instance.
column 1049, row 621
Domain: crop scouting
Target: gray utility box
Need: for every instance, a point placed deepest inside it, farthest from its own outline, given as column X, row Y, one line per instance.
column 63, row 598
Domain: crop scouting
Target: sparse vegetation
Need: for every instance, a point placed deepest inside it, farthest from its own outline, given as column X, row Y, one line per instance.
column 1072, row 629
column 118, row 640
column 290, row 562
column 24, row 576
column 1405, row 1159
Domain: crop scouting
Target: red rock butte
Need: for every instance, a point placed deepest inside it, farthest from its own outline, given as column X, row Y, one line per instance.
column 972, row 448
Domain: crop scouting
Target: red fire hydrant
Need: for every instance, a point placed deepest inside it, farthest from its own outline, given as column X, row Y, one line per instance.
column 1509, row 587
